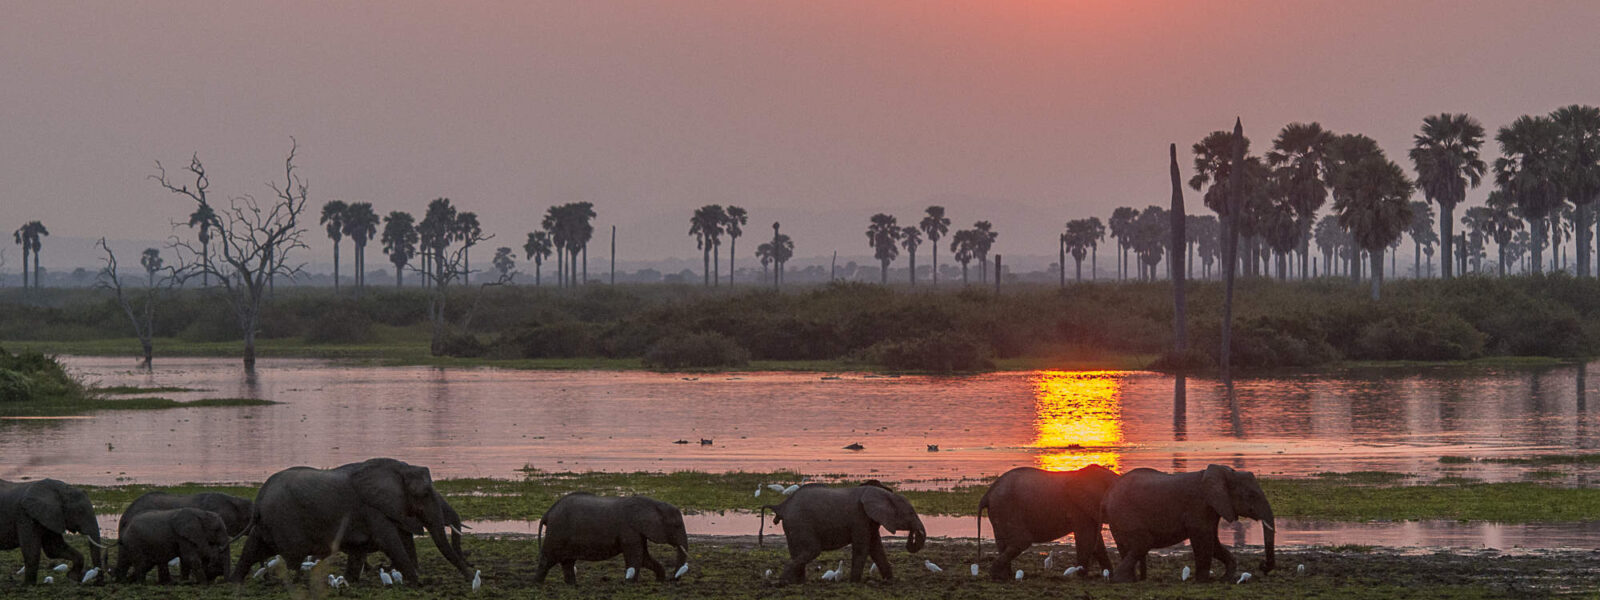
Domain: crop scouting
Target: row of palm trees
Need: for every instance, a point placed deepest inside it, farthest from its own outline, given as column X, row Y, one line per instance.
column 886, row 237
column 30, row 236
column 356, row 220
column 1547, row 176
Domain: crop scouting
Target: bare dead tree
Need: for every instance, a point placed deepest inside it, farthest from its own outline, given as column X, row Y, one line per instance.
column 252, row 244
column 139, row 306
column 448, row 267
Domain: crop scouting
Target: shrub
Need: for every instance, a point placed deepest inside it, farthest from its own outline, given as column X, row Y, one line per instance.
column 940, row 354
column 15, row 387
column 459, row 344
column 34, row 376
column 567, row 339
column 696, row 351
column 342, row 324
column 1420, row 336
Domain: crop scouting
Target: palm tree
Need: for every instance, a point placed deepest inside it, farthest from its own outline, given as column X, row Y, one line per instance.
column 1299, row 155
column 1329, row 238
column 556, row 230
column 882, row 234
column 206, row 219
column 910, row 238
column 30, row 236
column 151, row 261
column 1528, row 173
column 734, row 226
column 782, row 251
column 934, row 226
column 399, row 242
column 1151, row 233
column 503, row 262
column 1096, row 232
column 1121, row 230
column 961, row 245
column 579, row 219
column 1578, row 168
column 1421, row 232
column 764, row 254
column 1446, row 158
column 333, row 216
column 1077, row 240
column 706, row 224
column 1504, row 224
column 1479, row 224
column 536, row 249
column 1375, row 207
column 983, row 237
column 435, row 233
column 361, row 224
column 465, row 229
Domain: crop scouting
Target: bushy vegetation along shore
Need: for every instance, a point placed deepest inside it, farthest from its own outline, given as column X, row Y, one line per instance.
column 1278, row 324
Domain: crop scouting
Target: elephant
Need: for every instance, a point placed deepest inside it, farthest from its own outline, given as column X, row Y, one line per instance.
column 818, row 518
column 584, row 526
column 1029, row 506
column 303, row 511
column 357, row 562
column 198, row 538
column 234, row 511
column 1148, row 509
column 34, row 515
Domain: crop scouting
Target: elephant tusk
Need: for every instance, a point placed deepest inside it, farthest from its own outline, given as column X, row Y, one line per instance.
column 1268, row 526
column 99, row 545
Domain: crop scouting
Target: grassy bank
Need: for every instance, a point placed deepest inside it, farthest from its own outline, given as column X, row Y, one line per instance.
column 735, row 570
column 855, row 326
column 81, row 406
column 1333, row 497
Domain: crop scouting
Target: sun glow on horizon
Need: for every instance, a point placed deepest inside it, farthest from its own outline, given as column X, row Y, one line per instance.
column 1078, row 419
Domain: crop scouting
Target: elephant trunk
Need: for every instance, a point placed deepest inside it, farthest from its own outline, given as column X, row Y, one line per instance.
column 916, row 537
column 683, row 554
column 1269, row 534
column 436, row 526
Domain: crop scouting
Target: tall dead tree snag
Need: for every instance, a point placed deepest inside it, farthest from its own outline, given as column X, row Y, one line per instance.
column 252, row 244
column 1180, row 314
column 140, row 304
column 1230, row 246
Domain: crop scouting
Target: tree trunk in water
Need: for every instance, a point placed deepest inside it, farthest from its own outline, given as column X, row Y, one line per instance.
column 1446, row 242
column 250, row 347
column 1230, row 249
column 1377, row 273
column 149, row 353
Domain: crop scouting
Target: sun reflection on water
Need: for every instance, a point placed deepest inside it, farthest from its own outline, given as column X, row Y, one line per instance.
column 1078, row 419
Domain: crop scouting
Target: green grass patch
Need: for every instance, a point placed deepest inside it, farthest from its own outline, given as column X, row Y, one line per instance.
column 1544, row 474
column 1369, row 477
column 74, row 407
column 1455, row 460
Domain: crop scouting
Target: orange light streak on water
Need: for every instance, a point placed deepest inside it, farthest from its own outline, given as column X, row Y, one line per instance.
column 1078, row 419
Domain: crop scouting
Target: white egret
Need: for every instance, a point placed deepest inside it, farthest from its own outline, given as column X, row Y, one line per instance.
column 791, row 489
column 1299, row 569
column 872, row 569
column 681, row 570
column 90, row 575
column 384, row 577
column 628, row 575
column 827, row 575
column 61, row 568
column 274, row 562
column 477, row 579
column 974, row 569
column 21, row 571
column 758, row 491
column 174, row 563
column 1073, row 570
column 768, row 574
column 398, row 578
column 260, row 573
column 1184, row 576
column 1243, row 577
column 931, row 567
column 1106, row 573
column 1050, row 560
column 775, row 487
column 308, row 564
column 49, row 579
column 1019, row 574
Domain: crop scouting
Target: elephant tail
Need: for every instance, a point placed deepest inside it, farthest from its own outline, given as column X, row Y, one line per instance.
column 983, row 504
column 762, row 531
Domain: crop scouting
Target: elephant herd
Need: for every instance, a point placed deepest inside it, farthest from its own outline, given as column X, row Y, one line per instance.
column 381, row 504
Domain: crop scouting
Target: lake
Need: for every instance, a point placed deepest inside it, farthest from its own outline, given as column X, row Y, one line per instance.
column 491, row 422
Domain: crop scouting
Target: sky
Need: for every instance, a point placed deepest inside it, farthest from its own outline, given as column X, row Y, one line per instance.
column 815, row 113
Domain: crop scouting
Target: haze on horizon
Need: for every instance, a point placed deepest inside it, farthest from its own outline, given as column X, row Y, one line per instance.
column 817, row 114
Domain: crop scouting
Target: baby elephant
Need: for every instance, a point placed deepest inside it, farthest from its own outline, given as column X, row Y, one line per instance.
column 197, row 537
column 1148, row 509
column 818, row 518
column 584, row 526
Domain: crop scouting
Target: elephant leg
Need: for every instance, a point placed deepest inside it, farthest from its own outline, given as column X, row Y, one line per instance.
column 119, row 572
column 1203, row 549
column 392, row 546
column 569, row 571
column 1000, row 569
column 545, row 562
column 1090, row 547
column 880, row 558
column 163, row 576
column 1230, row 566
column 651, row 563
column 1133, row 552
column 795, row 571
column 28, row 540
column 192, row 566
column 355, row 563
column 56, row 547
column 140, row 571
column 860, row 545
column 255, row 550
column 633, row 555
column 411, row 547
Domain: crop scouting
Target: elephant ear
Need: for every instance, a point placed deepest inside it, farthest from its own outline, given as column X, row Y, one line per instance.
column 382, row 485
column 878, row 503
column 1214, row 488
column 44, row 505
column 650, row 520
column 191, row 528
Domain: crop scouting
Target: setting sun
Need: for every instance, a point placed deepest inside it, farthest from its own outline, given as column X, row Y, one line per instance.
column 1078, row 419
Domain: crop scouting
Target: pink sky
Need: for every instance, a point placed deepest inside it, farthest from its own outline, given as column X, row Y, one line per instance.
column 817, row 113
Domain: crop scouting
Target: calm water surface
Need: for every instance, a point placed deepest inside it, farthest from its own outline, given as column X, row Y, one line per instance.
column 490, row 422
